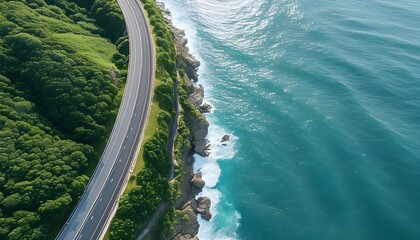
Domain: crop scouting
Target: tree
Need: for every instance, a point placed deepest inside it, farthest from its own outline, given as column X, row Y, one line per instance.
column 56, row 207
column 23, row 44
column 53, row 100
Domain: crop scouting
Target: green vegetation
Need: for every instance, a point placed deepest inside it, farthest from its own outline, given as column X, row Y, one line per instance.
column 151, row 128
column 151, row 187
column 96, row 50
column 39, row 169
column 109, row 16
column 139, row 204
column 127, row 222
column 57, row 99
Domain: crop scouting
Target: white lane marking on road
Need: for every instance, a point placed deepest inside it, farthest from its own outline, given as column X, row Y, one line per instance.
column 112, row 180
column 91, row 218
column 124, row 147
column 124, row 103
column 119, row 160
column 100, row 200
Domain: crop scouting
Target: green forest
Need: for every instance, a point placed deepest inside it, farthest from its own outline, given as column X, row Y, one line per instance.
column 152, row 187
column 137, row 206
column 58, row 97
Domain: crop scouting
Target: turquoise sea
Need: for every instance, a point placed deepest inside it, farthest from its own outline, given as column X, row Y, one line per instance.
column 323, row 100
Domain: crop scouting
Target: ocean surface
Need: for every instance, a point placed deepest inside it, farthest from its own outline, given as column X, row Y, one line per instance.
column 322, row 99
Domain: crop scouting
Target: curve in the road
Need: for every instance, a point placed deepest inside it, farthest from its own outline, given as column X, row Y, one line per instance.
column 89, row 218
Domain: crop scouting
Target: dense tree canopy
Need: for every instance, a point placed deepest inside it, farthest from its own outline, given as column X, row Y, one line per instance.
column 56, row 97
column 76, row 94
column 39, row 170
column 109, row 16
column 137, row 206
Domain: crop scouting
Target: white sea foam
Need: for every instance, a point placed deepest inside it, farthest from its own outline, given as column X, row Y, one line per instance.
column 238, row 219
column 211, row 173
column 208, row 165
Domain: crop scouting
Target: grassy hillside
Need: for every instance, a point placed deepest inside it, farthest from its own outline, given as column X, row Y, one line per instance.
column 57, row 99
column 94, row 49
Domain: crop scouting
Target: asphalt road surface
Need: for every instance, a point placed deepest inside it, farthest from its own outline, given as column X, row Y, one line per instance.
column 93, row 210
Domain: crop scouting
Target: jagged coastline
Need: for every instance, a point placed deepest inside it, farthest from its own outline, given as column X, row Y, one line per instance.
column 187, row 226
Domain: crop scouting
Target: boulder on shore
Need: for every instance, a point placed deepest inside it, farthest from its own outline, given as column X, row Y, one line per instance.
column 203, row 208
column 185, row 237
column 196, row 94
column 225, row 138
column 202, row 147
column 205, row 108
column 197, row 182
column 187, row 224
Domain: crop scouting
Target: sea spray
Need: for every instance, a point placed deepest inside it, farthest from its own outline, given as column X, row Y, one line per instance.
column 323, row 96
column 223, row 224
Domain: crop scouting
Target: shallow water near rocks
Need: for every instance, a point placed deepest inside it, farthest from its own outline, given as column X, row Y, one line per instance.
column 323, row 101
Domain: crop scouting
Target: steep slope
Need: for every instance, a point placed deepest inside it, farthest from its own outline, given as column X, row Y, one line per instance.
column 60, row 77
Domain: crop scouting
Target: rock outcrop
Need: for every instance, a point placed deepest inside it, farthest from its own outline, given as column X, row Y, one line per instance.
column 202, row 147
column 198, row 125
column 199, row 129
column 187, row 225
column 186, row 61
column 189, row 63
column 193, row 225
column 185, row 237
column 196, row 97
column 225, row 138
column 197, row 183
column 205, row 108
column 203, row 208
column 114, row 76
column 196, row 94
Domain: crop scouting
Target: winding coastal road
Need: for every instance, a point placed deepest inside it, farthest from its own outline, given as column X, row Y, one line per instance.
column 94, row 209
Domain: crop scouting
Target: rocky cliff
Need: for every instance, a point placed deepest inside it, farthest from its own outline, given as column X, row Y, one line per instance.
column 187, row 226
column 199, row 129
